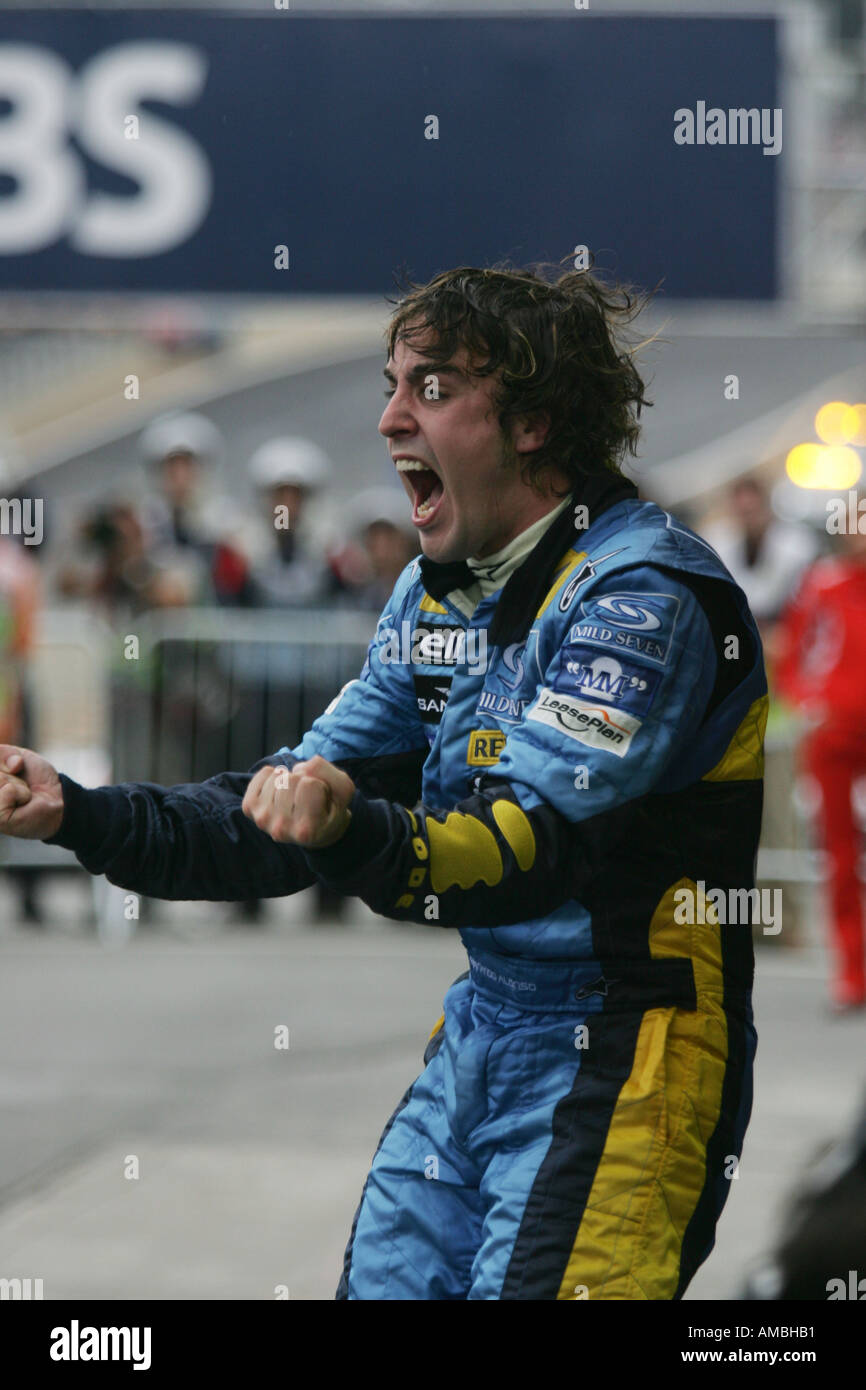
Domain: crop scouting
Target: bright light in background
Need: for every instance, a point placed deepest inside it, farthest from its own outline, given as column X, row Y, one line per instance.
column 833, row 467
column 859, row 436
column 841, row 423
column 802, row 463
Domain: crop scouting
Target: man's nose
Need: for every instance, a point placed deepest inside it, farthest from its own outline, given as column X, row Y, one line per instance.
column 396, row 417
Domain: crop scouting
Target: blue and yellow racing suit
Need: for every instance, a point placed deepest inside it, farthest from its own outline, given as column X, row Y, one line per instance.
column 572, row 778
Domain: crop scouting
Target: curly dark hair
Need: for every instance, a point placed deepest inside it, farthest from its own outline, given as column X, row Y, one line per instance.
column 560, row 346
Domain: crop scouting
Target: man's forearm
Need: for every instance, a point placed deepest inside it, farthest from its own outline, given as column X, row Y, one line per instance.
column 185, row 842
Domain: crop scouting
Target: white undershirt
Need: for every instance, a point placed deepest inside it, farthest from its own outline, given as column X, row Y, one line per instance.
column 493, row 571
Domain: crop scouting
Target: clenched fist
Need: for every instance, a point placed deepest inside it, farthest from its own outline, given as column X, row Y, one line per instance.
column 305, row 805
column 31, row 799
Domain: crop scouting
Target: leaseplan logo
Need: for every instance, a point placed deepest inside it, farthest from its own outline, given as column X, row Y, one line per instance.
column 597, row 726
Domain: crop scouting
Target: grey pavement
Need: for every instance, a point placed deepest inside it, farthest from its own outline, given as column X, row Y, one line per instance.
column 159, row 1057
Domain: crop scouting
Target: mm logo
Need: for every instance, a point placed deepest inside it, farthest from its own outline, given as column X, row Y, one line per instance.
column 485, row 747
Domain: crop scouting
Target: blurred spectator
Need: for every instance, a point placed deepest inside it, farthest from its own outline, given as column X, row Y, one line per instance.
column 187, row 527
column 110, row 566
column 385, row 539
column 822, row 1255
column 821, row 669
column 19, row 604
column 766, row 556
column 289, row 569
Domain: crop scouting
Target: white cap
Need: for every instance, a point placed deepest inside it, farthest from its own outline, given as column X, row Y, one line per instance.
column 374, row 504
column 289, row 462
column 180, row 434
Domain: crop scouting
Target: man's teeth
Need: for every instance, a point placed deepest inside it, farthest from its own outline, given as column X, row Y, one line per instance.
column 419, row 466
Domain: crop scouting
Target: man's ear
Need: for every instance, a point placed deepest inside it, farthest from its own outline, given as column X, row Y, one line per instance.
column 530, row 432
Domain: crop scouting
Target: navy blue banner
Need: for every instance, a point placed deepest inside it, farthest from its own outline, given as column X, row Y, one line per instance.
column 287, row 153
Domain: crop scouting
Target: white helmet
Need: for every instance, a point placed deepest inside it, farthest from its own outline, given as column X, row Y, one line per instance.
column 381, row 503
column 289, row 462
column 180, row 434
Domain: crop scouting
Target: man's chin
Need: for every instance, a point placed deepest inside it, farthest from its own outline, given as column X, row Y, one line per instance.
column 442, row 550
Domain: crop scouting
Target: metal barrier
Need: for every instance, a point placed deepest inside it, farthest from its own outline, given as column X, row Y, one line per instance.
column 68, row 685
column 181, row 695
column 202, row 691
column 786, row 857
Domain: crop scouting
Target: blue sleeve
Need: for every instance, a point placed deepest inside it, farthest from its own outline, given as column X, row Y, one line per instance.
column 376, row 715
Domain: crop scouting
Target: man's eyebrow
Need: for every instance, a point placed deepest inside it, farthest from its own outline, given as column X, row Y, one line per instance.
column 423, row 369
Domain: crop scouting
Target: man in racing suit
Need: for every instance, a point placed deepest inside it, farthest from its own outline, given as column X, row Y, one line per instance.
column 555, row 746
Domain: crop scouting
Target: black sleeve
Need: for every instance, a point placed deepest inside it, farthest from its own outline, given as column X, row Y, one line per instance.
column 193, row 841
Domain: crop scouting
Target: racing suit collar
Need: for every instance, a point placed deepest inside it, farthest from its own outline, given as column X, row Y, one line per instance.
column 525, row 589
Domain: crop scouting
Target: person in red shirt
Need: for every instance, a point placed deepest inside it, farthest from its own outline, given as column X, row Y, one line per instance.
column 19, row 606
column 821, row 669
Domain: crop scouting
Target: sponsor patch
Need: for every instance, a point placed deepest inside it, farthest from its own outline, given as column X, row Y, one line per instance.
column 512, row 660
column 641, row 624
column 581, row 576
column 485, row 747
column 437, row 645
column 431, row 694
column 597, row 726
column 611, row 680
column 507, row 707
column 512, row 681
column 432, row 644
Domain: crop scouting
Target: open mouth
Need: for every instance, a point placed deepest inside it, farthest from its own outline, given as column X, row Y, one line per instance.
column 427, row 490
